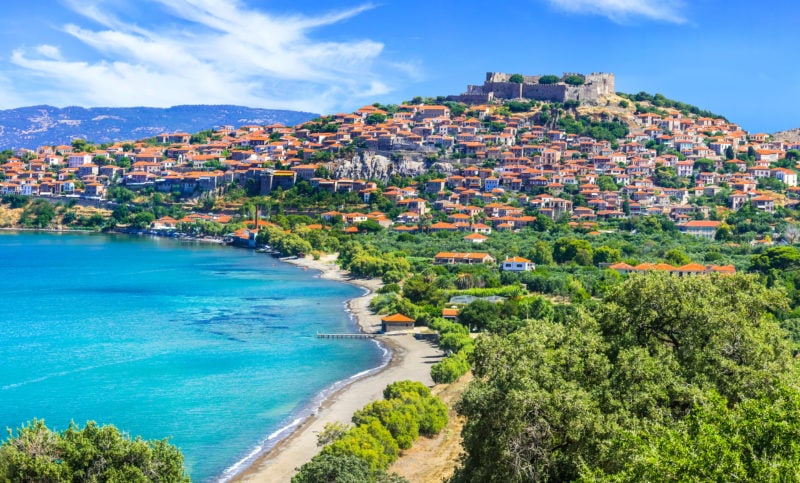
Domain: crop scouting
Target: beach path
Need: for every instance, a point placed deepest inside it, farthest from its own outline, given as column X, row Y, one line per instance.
column 412, row 359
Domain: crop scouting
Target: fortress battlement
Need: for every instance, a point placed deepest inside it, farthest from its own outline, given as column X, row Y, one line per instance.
column 498, row 86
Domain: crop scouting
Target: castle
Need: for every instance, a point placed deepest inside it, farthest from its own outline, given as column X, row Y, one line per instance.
column 498, row 86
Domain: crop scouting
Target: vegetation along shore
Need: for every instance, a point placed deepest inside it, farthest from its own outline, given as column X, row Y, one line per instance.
column 601, row 287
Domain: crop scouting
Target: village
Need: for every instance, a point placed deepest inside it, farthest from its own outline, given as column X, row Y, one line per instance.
column 500, row 167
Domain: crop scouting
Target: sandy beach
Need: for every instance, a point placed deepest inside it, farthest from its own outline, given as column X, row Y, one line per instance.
column 411, row 359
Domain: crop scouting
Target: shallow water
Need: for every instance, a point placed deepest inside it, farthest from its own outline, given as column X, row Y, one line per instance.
column 212, row 346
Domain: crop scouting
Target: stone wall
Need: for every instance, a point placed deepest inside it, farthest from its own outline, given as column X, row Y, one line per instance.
column 497, row 86
column 545, row 92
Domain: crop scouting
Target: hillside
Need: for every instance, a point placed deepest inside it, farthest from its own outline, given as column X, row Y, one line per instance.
column 789, row 136
column 34, row 126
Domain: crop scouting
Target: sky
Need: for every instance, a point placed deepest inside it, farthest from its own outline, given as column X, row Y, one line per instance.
column 737, row 58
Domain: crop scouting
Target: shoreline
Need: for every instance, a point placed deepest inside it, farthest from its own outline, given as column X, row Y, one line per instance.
column 409, row 358
column 295, row 443
column 89, row 231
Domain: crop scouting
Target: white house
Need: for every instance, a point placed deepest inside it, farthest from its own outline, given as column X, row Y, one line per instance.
column 517, row 264
column 79, row 159
column 787, row 176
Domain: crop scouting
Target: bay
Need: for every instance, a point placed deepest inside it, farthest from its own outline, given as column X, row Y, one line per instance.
column 211, row 346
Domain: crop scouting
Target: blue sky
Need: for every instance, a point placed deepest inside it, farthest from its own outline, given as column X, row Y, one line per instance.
column 734, row 57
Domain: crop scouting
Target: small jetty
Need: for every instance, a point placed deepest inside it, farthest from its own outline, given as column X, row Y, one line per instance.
column 347, row 336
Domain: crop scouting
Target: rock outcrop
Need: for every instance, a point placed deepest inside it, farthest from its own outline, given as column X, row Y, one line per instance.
column 370, row 165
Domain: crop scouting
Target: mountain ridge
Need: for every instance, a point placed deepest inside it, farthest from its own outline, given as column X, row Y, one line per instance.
column 33, row 126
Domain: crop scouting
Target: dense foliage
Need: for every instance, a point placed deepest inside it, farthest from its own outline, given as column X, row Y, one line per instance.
column 668, row 377
column 381, row 429
column 659, row 101
column 601, row 130
column 549, row 79
column 92, row 453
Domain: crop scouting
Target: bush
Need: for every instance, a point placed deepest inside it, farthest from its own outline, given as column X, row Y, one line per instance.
column 370, row 442
column 389, row 288
column 400, row 419
column 450, row 368
column 362, row 453
column 432, row 411
column 93, row 453
column 329, row 467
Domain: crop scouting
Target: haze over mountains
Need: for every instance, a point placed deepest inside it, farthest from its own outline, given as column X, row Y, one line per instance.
column 30, row 127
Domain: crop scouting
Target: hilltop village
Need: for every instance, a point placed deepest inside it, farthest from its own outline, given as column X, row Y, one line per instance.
column 512, row 224
column 665, row 163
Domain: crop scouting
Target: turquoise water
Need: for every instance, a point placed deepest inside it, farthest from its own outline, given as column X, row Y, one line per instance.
column 212, row 346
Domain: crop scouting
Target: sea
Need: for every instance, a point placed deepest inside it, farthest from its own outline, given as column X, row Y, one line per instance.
column 210, row 346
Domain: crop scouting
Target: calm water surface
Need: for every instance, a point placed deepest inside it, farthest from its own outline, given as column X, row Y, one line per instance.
column 212, row 346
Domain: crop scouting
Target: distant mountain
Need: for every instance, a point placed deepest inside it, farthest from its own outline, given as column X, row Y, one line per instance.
column 30, row 127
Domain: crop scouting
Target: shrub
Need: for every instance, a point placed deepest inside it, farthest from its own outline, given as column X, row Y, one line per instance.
column 92, row 453
column 574, row 80
column 370, row 442
column 450, row 368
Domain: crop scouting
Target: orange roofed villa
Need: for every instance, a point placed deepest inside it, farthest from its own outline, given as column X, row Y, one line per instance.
column 470, row 258
column 684, row 271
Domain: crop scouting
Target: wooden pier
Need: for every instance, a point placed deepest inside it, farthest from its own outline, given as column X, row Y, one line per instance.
column 347, row 336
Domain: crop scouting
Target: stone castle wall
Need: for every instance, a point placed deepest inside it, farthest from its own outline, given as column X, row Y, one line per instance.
column 497, row 86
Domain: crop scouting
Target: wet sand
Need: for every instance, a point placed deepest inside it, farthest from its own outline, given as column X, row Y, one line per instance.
column 411, row 359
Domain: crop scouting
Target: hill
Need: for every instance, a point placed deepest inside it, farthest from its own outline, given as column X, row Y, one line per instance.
column 789, row 136
column 34, row 126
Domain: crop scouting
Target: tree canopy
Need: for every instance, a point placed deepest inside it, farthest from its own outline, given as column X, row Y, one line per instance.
column 669, row 376
column 549, row 79
column 92, row 453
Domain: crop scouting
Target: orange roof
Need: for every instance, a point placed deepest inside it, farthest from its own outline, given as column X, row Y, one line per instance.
column 703, row 223
column 663, row 266
column 449, row 312
column 461, row 255
column 397, row 318
column 723, row 268
column 692, row 267
column 620, row 266
column 516, row 260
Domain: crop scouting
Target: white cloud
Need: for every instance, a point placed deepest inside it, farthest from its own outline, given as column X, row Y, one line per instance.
column 623, row 10
column 221, row 52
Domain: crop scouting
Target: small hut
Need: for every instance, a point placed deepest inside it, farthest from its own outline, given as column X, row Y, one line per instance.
column 395, row 322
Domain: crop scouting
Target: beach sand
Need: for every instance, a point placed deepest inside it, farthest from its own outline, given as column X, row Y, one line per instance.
column 411, row 359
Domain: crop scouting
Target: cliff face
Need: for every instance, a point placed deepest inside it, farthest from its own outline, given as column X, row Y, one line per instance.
column 369, row 165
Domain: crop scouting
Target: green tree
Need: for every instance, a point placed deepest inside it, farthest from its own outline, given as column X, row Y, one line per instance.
column 566, row 249
column 343, row 468
column 574, row 80
column 676, row 257
column 541, row 253
column 375, row 118
column 704, row 164
column 450, row 368
column 370, row 442
column 479, row 315
column 670, row 376
column 606, row 183
column 91, row 453
column 549, row 79
column 606, row 254
column 516, row 78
